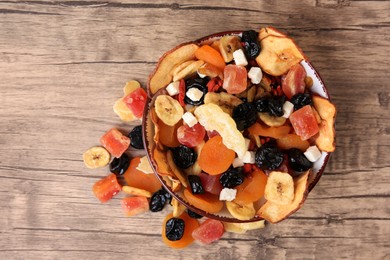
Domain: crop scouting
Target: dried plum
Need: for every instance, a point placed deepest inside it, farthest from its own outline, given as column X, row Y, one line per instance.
column 174, row 229
column 158, row 200
column 244, row 115
column 298, row 161
column 275, row 106
column 262, row 104
column 119, row 165
column 251, row 44
column 200, row 84
column 196, row 184
column 184, row 156
column 300, row 100
column 268, row 156
column 232, row 178
column 136, row 137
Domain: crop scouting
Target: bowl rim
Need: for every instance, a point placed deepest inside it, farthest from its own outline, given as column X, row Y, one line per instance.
column 146, row 143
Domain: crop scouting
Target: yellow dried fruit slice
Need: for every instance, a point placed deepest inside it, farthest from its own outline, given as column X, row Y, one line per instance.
column 279, row 188
column 168, row 109
column 224, row 100
column 96, row 157
column 267, row 31
column 144, row 166
column 241, row 228
column 176, row 171
column 162, row 76
column 278, row 54
column 160, row 157
column 327, row 111
column 187, row 70
column 120, row 107
column 178, row 208
column 212, row 118
column 276, row 212
column 136, row 192
column 241, row 211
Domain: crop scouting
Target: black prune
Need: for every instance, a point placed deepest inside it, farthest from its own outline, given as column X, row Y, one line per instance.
column 136, row 137
column 251, row 44
column 174, row 229
column 300, row 100
column 244, row 115
column 184, row 156
column 120, row 165
column 232, row 178
column 275, row 106
column 196, row 184
column 193, row 214
column 298, row 161
column 268, row 156
column 262, row 104
column 158, row 200
column 200, row 84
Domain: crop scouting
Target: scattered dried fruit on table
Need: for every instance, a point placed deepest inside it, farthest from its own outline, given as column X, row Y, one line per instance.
column 96, row 157
column 106, row 188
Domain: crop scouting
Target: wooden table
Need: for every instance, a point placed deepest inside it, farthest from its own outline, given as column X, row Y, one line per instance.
column 64, row 63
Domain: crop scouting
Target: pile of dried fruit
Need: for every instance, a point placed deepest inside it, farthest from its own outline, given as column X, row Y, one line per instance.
column 237, row 128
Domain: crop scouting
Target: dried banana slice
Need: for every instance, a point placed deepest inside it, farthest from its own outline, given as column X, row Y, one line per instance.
column 168, row 109
column 96, row 157
column 227, row 45
column 241, row 211
column 241, row 228
column 279, row 188
column 272, row 120
column 224, row 100
column 212, row 117
column 275, row 212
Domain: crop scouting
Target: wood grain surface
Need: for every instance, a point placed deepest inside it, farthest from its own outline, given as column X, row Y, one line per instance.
column 64, row 63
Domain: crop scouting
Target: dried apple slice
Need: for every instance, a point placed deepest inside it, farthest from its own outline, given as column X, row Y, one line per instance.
column 160, row 157
column 278, row 54
column 327, row 111
column 274, row 212
column 267, row 31
column 162, row 76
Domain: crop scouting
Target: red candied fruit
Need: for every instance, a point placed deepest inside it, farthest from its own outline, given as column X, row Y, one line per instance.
column 136, row 101
column 235, row 79
column 135, row 205
column 115, row 142
column 211, row 183
column 106, row 188
column 209, row 231
column 191, row 136
column 304, row 122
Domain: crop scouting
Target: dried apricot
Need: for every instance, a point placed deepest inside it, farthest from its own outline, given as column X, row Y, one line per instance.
column 190, row 224
column 274, row 132
column 140, row 180
column 210, row 55
column 168, row 134
column 292, row 141
column 215, row 157
column 252, row 189
column 206, row 202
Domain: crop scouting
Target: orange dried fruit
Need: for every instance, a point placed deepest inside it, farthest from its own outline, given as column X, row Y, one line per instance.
column 215, row 157
column 274, row 132
column 292, row 141
column 210, row 55
column 140, row 180
column 252, row 189
column 206, row 201
column 190, row 225
column 167, row 135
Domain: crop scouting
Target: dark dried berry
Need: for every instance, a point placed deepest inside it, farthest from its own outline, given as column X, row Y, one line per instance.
column 158, row 200
column 184, row 156
column 136, row 137
column 174, row 229
column 232, row 178
column 275, row 106
column 300, row 100
column 262, row 104
column 193, row 214
column 268, row 157
column 196, row 184
column 120, row 165
column 244, row 115
column 200, row 84
column 251, row 44
column 298, row 161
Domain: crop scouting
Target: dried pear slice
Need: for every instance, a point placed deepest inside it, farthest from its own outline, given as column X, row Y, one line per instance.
column 212, row 117
column 162, row 76
column 278, row 54
column 224, row 100
column 267, row 31
column 160, row 157
column 188, row 70
column 275, row 212
column 327, row 111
